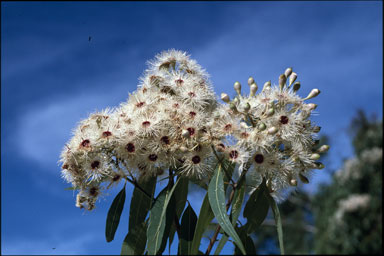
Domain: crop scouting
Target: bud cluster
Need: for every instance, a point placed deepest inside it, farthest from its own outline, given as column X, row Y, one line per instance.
column 173, row 121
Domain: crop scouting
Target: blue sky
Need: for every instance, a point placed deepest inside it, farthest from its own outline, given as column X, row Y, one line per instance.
column 52, row 76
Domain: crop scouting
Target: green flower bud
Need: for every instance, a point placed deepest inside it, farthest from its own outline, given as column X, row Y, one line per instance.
column 282, row 81
column 292, row 78
column 225, row 97
column 303, row 178
column 237, row 87
column 312, row 94
column 296, row 86
column 288, row 72
column 323, row 149
column 250, row 80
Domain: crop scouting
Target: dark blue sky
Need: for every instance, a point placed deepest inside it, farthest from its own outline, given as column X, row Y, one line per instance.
column 52, row 76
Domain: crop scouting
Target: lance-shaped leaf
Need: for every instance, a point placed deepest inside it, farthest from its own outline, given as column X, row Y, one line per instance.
column 217, row 201
column 140, row 202
column 256, row 209
column 135, row 240
column 157, row 220
column 114, row 213
column 247, row 241
column 180, row 196
column 235, row 213
column 188, row 225
column 276, row 213
column 205, row 217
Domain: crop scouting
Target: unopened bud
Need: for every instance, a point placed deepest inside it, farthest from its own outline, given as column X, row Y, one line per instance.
column 314, row 156
column 250, row 80
column 296, row 86
column 261, row 126
column 319, row 165
column 183, row 149
column 253, row 89
column 270, row 112
column 303, row 178
column 295, row 158
column 292, row 78
column 267, row 85
column 282, row 81
column 232, row 106
column 288, row 72
column 237, row 87
column 316, row 129
column 293, row 182
column 323, row 149
column 244, row 125
column 185, row 133
column 312, row 94
column 272, row 130
column 269, row 186
column 245, row 107
column 225, row 97
column 312, row 106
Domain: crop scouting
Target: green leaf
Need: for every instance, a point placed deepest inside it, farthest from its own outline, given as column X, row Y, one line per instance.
column 180, row 195
column 157, row 220
column 256, row 209
column 238, row 199
column 216, row 198
column 205, row 217
column 247, row 241
column 140, row 202
column 188, row 225
column 114, row 214
column 276, row 213
column 135, row 240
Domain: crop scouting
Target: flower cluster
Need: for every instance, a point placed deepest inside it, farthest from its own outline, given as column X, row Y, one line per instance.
column 174, row 121
column 271, row 132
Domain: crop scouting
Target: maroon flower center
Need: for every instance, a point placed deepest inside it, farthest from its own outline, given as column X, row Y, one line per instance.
column 259, row 158
column 85, row 143
column 227, row 127
column 179, row 82
column 191, row 94
column 130, row 147
column 152, row 157
column 191, row 131
column 233, row 154
column 284, row 119
column 95, row 164
column 165, row 140
column 196, row 159
column 106, row 134
column 140, row 104
column 192, row 114
column 146, row 124
column 244, row 135
column 93, row 191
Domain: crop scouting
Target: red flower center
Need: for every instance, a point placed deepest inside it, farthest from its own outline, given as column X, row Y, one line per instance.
column 85, row 143
column 152, row 157
column 130, row 147
column 233, row 154
column 106, row 134
column 284, row 119
column 146, row 124
column 95, row 164
column 165, row 140
column 196, row 159
column 191, row 131
column 259, row 158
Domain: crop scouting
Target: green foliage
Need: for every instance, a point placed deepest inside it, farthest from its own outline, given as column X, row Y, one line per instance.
column 114, row 213
column 217, row 201
column 188, row 225
column 354, row 230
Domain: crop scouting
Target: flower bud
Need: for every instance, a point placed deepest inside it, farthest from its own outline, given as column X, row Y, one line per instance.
column 270, row 112
column 185, row 133
column 314, row 156
column 225, row 97
column 292, row 78
column 237, row 87
column 323, row 149
column 312, row 106
column 232, row 106
column 253, row 89
column 267, row 85
column 316, row 129
column 272, row 130
column 183, row 149
column 250, row 80
column 269, row 186
column 282, row 81
column 244, row 125
column 288, row 72
column 293, row 182
column 319, row 165
column 303, row 178
column 261, row 126
column 312, row 94
column 296, row 86
column 245, row 107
